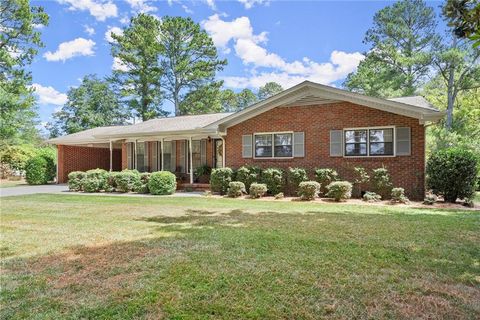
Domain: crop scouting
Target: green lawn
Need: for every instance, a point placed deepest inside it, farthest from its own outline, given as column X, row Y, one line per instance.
column 74, row 256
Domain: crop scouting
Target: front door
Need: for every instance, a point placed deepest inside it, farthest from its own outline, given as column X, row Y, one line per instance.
column 218, row 153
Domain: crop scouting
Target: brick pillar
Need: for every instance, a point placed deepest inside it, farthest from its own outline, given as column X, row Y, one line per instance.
column 61, row 178
column 124, row 156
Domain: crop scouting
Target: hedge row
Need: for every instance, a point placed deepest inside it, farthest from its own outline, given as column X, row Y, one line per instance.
column 98, row 180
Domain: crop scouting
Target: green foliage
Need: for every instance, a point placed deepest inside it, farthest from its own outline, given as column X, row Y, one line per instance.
column 257, row 190
column 371, row 197
column 279, row 196
column 92, row 184
column 75, row 180
column 339, row 190
column 398, row 195
column 204, row 99
column 308, row 190
column 382, row 183
column 139, row 79
column 325, row 176
column 126, row 180
column 162, row 183
column 236, row 189
column 268, row 90
column 220, row 179
column 142, row 185
column 452, row 173
column 111, row 182
column 274, row 179
column 100, row 175
column 92, row 104
column 295, row 176
column 36, row 170
column 430, row 199
column 464, row 18
column 245, row 98
column 248, row 175
column 16, row 157
column 202, row 173
column 228, row 100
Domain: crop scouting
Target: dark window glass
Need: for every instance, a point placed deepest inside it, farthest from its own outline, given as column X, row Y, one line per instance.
column 356, row 142
column 381, row 142
column 283, row 145
column 263, row 146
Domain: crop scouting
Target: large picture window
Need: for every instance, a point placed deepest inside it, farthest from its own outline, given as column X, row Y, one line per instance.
column 368, row 142
column 273, row 145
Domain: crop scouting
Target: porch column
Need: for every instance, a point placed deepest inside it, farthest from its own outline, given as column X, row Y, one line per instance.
column 223, row 151
column 135, row 155
column 191, row 159
column 161, row 147
column 111, row 156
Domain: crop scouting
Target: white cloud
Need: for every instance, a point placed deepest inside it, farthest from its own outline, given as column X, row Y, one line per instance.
column 118, row 65
column 250, row 3
column 184, row 7
column 187, row 9
column 141, row 6
column 89, row 30
column 248, row 47
column 100, row 9
column 48, row 95
column 70, row 49
column 211, row 4
column 114, row 30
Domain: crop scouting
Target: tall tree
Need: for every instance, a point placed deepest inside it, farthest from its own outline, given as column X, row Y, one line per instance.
column 138, row 76
column 92, row 104
column 228, row 100
column 189, row 59
column 268, row 90
column 401, row 39
column 206, row 99
column 464, row 17
column 19, row 43
column 245, row 98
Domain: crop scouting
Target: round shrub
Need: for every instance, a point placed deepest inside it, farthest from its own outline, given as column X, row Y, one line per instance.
column 36, row 170
column 75, row 180
column 308, row 190
column 101, row 175
column 248, row 175
column 325, row 176
column 430, row 199
column 258, row 190
column 295, row 176
column 371, row 197
column 398, row 195
column 91, row 185
column 340, row 190
column 162, row 183
column 452, row 173
column 126, row 180
column 49, row 155
column 220, row 178
column 142, row 185
column 111, row 184
column 279, row 196
column 381, row 182
column 274, row 180
column 236, row 189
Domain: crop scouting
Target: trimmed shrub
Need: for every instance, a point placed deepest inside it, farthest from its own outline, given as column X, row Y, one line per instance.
column 142, row 185
column 126, row 180
column 50, row 157
column 220, row 178
column 162, row 183
column 16, row 157
column 258, row 190
column 75, row 180
column 274, row 180
column 430, row 199
column 101, row 175
column 279, row 196
column 236, row 189
column 91, row 184
column 36, row 170
column 371, row 197
column 452, row 173
column 361, row 178
column 325, row 176
column 381, row 182
column 202, row 173
column 248, row 175
column 111, row 184
column 308, row 190
column 339, row 190
column 398, row 195
column 295, row 177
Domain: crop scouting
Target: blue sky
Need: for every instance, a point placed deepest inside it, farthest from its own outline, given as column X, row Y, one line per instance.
column 283, row 41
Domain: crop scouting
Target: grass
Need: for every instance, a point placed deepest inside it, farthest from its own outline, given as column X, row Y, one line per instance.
column 74, row 256
column 4, row 183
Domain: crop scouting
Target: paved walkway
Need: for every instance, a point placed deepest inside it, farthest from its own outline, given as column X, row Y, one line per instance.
column 63, row 188
column 24, row 190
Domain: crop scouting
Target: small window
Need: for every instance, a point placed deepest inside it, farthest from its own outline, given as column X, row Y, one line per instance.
column 283, row 145
column 263, row 146
column 356, row 142
column 381, row 142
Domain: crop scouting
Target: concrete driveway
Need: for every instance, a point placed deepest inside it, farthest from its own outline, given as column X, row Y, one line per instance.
column 23, row 190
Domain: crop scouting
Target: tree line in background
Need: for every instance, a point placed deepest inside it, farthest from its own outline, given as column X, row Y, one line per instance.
column 173, row 60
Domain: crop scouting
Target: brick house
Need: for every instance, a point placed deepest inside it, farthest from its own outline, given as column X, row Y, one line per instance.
column 309, row 125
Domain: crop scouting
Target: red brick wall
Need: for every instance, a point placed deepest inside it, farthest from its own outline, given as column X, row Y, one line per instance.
column 316, row 122
column 124, row 156
column 73, row 158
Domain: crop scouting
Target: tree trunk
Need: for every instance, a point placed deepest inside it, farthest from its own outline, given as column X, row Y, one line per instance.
column 450, row 90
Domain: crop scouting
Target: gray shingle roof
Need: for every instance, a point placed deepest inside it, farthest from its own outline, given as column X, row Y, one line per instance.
column 86, row 136
column 417, row 101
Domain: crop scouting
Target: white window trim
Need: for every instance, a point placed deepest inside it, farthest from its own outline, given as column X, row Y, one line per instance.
column 273, row 145
column 394, row 141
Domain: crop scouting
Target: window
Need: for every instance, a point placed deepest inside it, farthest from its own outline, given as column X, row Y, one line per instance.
column 369, row 142
column 199, row 156
column 273, row 145
column 142, row 156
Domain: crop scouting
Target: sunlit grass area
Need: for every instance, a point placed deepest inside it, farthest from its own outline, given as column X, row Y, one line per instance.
column 80, row 256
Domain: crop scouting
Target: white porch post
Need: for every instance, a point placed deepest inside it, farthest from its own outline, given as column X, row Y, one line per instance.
column 223, row 151
column 191, row 159
column 111, row 156
column 161, row 147
column 135, row 155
